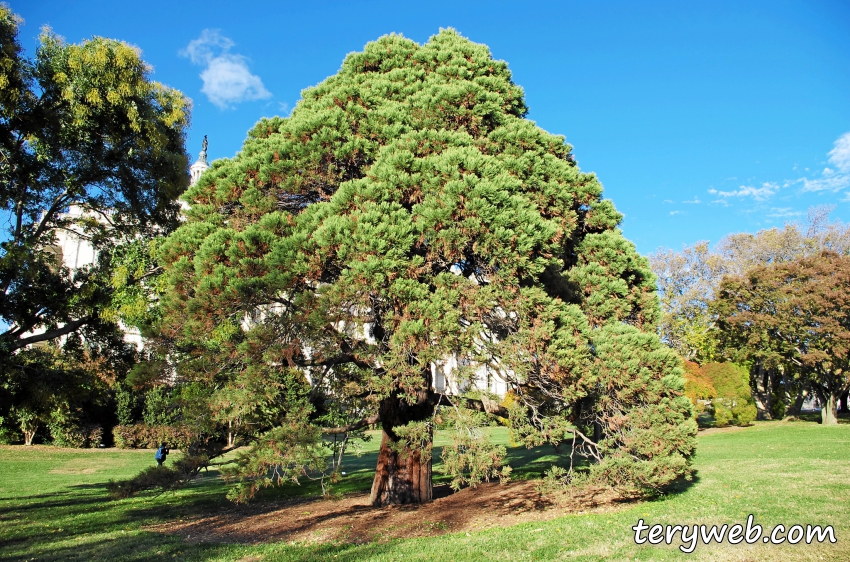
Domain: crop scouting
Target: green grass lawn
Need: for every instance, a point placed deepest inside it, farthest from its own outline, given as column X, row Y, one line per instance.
column 53, row 506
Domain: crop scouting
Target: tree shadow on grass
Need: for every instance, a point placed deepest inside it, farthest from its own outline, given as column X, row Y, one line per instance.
column 681, row 484
column 51, row 502
column 150, row 547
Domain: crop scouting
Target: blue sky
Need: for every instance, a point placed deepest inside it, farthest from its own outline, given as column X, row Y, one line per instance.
column 700, row 118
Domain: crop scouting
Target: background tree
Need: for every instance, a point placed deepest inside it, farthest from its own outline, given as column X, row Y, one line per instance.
column 688, row 281
column 62, row 395
column 80, row 125
column 794, row 316
column 407, row 213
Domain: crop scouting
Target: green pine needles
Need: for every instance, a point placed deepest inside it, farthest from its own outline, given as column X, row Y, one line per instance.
column 404, row 214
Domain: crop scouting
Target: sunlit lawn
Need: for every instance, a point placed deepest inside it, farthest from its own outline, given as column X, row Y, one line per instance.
column 53, row 506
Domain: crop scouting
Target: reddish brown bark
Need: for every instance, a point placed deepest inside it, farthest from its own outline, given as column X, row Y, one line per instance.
column 401, row 477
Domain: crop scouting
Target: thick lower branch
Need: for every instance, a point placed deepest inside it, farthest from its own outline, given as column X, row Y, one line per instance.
column 336, row 360
column 365, row 422
column 51, row 334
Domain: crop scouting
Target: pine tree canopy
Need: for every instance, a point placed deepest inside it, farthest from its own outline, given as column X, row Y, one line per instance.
column 405, row 213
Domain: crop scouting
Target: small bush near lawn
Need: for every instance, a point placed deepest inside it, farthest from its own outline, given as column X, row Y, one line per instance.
column 143, row 436
column 79, row 437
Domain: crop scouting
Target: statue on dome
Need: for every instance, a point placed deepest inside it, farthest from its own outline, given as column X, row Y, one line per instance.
column 200, row 166
column 202, row 157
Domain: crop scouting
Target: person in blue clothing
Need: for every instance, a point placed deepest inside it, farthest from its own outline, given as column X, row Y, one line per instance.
column 161, row 454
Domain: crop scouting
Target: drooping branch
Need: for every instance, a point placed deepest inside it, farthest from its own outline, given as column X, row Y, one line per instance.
column 587, row 447
column 488, row 407
column 154, row 271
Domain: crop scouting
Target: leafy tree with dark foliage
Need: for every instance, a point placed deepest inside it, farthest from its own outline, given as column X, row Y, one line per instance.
column 688, row 281
column 80, row 125
column 794, row 316
column 404, row 214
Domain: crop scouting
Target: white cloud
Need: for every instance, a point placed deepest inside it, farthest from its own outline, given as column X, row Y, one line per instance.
column 779, row 212
column 695, row 201
column 833, row 179
column 839, row 156
column 835, row 182
column 675, row 212
column 766, row 190
column 226, row 77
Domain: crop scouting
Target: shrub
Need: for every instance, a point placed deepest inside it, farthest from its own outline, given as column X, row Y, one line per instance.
column 727, row 386
column 67, row 430
column 143, row 436
column 698, row 387
column 745, row 413
column 722, row 414
column 76, row 436
column 8, row 435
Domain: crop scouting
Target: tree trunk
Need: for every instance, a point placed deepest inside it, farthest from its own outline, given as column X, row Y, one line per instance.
column 761, row 394
column 403, row 474
column 842, row 402
column 29, row 435
column 829, row 412
column 342, row 448
column 597, row 431
column 797, row 406
column 401, row 477
column 828, row 397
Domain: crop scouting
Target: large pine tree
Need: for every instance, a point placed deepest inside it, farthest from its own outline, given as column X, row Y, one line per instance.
column 407, row 212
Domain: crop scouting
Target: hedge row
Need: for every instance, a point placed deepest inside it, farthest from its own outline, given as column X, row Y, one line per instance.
column 143, row 436
column 76, row 436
